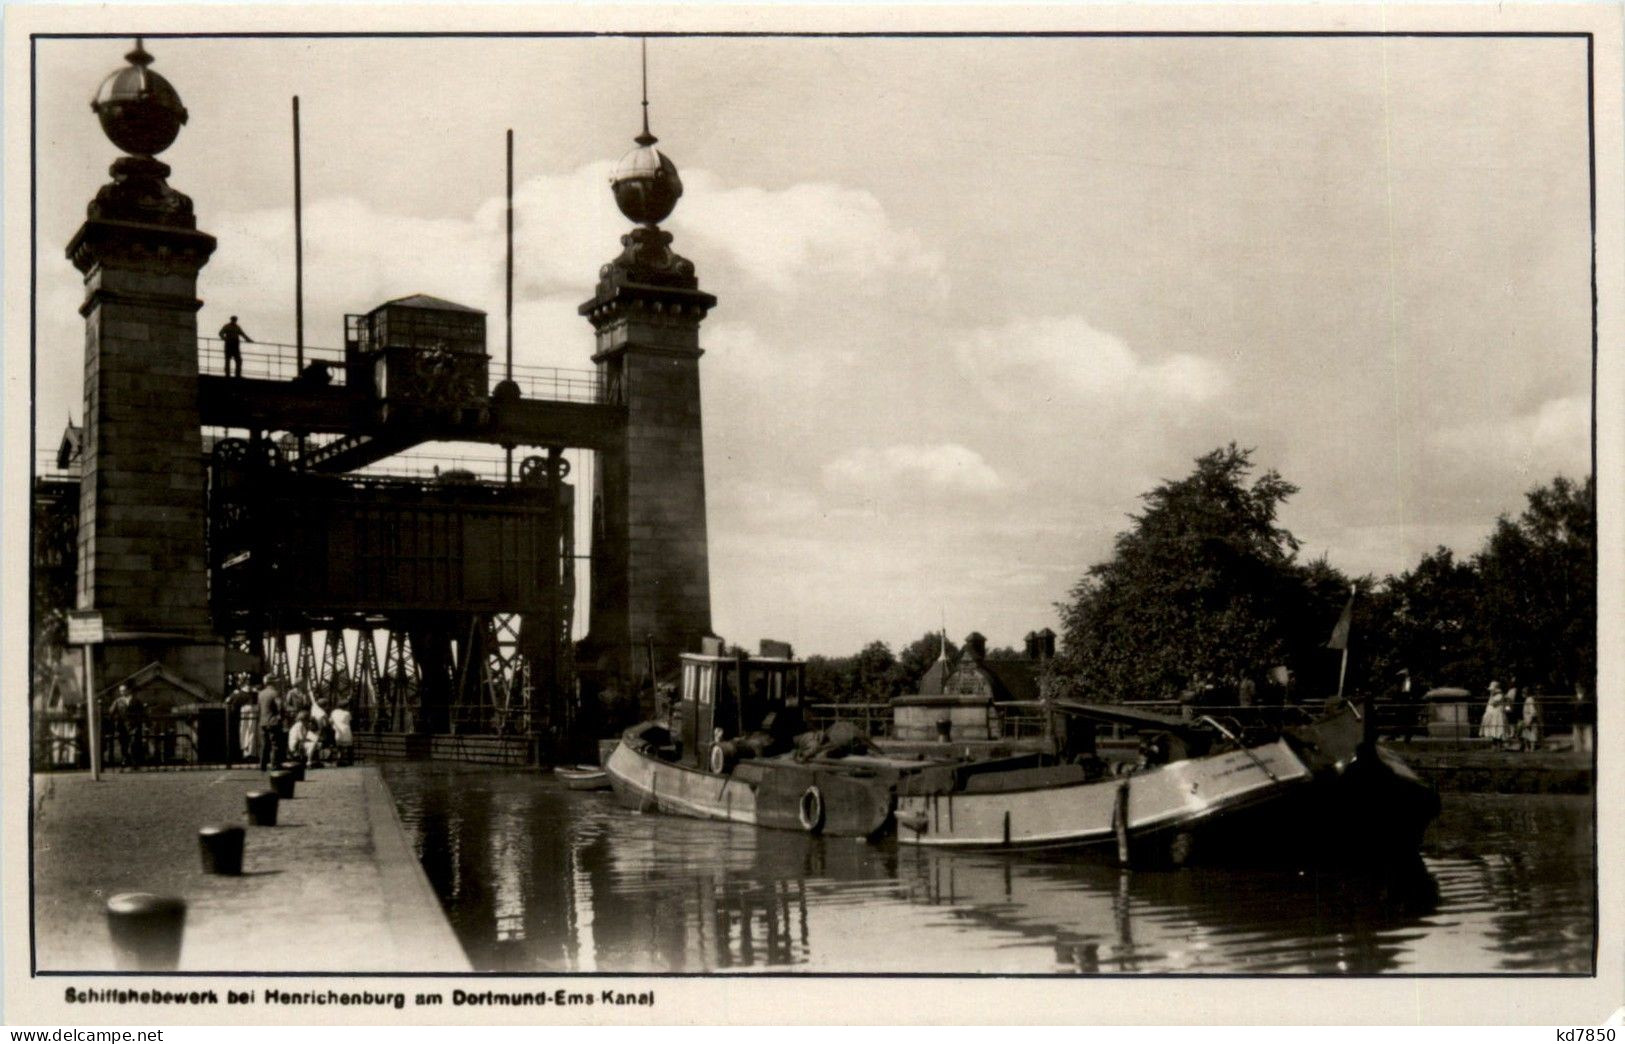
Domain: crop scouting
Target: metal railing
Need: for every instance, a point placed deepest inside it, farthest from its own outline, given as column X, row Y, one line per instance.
column 875, row 719
column 268, row 360
column 554, row 383
column 164, row 740
column 45, row 467
column 1395, row 720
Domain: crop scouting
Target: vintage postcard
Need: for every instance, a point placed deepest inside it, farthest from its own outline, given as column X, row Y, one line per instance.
column 725, row 514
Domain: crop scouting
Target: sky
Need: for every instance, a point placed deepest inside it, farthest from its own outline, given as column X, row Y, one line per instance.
column 976, row 296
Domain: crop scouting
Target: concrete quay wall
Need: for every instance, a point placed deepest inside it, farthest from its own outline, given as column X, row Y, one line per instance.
column 1485, row 771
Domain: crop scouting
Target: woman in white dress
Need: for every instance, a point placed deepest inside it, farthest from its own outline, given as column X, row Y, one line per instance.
column 248, row 723
column 343, row 737
column 1494, row 725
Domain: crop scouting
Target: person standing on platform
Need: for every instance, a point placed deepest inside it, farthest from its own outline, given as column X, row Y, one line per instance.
column 233, row 336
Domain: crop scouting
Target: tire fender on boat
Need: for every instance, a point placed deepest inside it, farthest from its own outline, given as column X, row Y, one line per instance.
column 719, row 760
column 810, row 809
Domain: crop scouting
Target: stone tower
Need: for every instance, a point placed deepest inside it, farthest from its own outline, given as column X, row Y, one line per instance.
column 651, row 574
column 141, row 516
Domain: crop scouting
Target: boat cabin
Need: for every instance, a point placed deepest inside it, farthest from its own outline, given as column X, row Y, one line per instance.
column 738, row 700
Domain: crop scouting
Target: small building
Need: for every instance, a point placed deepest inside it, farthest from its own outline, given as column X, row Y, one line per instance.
column 421, row 356
column 959, row 700
column 69, row 450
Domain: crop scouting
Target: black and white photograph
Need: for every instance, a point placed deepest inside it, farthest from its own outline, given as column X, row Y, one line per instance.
column 819, row 501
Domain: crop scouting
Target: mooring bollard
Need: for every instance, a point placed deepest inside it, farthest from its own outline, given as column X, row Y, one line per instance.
column 222, row 849
column 282, row 782
column 262, row 807
column 297, row 768
column 146, row 930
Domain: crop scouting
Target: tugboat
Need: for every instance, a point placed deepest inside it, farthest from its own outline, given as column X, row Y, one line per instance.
column 733, row 746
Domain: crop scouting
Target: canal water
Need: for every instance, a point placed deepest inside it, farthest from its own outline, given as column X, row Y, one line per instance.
column 537, row 878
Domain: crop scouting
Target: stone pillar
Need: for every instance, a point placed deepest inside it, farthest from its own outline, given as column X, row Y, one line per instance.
column 142, row 513
column 651, row 572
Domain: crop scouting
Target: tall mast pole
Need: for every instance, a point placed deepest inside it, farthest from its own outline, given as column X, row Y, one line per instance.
column 298, row 248
column 510, row 254
column 643, row 45
column 508, row 317
column 298, row 265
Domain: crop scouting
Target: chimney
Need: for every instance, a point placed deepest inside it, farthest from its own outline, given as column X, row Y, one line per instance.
column 1044, row 645
column 976, row 647
column 1031, row 646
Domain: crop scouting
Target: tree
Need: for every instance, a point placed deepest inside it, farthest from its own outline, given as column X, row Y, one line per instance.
column 873, row 677
column 826, row 678
column 870, row 676
column 1428, row 621
column 1537, row 610
column 1192, row 595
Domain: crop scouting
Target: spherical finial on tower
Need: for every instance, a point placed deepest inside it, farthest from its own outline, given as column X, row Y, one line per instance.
column 645, row 181
column 646, row 185
column 139, row 111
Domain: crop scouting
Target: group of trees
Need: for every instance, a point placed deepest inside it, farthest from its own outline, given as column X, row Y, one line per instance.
column 876, row 674
column 1205, row 589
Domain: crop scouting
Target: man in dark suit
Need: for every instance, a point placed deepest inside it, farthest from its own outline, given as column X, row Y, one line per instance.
column 233, row 336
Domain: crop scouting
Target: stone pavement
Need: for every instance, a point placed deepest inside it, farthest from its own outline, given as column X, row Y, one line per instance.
column 334, row 886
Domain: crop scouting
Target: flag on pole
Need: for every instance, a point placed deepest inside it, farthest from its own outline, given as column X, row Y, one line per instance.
column 1340, row 633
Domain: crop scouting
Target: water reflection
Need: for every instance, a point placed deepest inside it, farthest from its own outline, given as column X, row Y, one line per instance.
column 538, row 878
column 1097, row 919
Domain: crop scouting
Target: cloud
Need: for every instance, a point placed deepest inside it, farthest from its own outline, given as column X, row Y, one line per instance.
column 946, row 467
column 807, row 230
column 1066, row 358
column 359, row 254
column 1552, row 438
column 753, row 505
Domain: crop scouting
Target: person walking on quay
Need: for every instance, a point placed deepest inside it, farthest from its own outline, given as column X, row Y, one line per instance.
column 233, row 336
column 119, row 715
column 1494, row 726
column 136, row 716
column 268, row 707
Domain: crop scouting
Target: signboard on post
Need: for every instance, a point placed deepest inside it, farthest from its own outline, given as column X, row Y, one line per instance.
column 85, row 628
